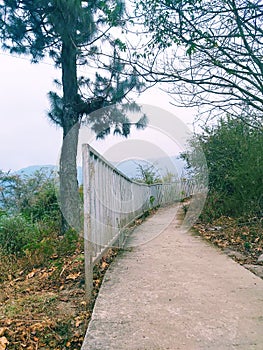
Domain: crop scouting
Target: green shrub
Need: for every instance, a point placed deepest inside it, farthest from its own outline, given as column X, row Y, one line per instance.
column 38, row 253
column 32, row 196
column 234, row 157
column 16, row 233
column 147, row 174
column 68, row 242
column 43, row 203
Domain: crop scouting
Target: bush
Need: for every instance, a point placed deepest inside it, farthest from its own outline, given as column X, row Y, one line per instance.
column 43, row 203
column 234, row 156
column 147, row 174
column 38, row 253
column 16, row 233
column 68, row 243
column 32, row 196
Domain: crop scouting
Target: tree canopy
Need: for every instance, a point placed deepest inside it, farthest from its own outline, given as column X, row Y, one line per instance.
column 72, row 34
column 209, row 51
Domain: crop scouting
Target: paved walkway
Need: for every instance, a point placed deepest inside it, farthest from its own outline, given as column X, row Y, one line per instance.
column 176, row 292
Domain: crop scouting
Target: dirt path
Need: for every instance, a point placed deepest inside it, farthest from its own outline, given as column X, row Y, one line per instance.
column 176, row 292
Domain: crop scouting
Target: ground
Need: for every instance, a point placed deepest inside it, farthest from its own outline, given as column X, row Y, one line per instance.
column 240, row 239
column 44, row 307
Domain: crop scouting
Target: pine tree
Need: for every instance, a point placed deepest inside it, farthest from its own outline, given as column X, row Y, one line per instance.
column 70, row 32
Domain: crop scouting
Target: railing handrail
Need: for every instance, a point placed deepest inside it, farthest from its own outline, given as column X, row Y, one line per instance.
column 109, row 164
column 115, row 169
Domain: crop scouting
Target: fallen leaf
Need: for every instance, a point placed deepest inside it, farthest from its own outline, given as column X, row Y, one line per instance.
column 73, row 276
column 30, row 275
column 104, row 265
column 40, row 326
column 54, row 256
column 78, row 322
column 97, row 282
column 64, row 299
column 44, row 275
column 8, row 322
column 3, row 343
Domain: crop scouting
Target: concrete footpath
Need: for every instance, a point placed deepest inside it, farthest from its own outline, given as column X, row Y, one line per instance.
column 176, row 292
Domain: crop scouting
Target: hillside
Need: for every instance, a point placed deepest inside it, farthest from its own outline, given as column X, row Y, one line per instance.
column 129, row 167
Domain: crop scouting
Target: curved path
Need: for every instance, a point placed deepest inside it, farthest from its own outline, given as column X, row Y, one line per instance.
column 176, row 292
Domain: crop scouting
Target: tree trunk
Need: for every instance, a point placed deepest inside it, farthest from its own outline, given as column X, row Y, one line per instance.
column 69, row 190
column 69, row 194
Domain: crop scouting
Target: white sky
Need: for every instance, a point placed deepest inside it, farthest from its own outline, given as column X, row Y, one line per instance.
column 26, row 135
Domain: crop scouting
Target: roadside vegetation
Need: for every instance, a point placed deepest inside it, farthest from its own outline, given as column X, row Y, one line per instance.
column 232, row 217
column 42, row 299
column 150, row 174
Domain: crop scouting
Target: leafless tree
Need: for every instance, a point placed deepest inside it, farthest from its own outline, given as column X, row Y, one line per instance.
column 210, row 53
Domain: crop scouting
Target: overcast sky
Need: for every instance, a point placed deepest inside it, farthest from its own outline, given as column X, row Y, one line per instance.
column 27, row 137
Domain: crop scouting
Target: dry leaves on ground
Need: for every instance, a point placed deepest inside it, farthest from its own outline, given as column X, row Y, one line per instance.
column 45, row 308
column 228, row 233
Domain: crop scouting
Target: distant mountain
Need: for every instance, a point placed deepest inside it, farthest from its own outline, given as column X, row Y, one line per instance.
column 31, row 170
column 47, row 169
column 162, row 166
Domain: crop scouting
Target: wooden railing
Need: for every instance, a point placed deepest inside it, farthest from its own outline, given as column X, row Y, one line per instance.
column 112, row 201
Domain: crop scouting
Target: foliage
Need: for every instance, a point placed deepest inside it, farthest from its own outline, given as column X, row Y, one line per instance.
column 43, row 203
column 73, row 33
column 16, row 233
column 169, row 177
column 150, row 174
column 32, row 196
column 115, row 117
column 234, row 158
column 31, row 217
column 8, row 265
column 147, row 174
column 210, row 53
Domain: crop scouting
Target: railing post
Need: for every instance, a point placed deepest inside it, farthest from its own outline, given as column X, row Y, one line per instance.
column 87, row 222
